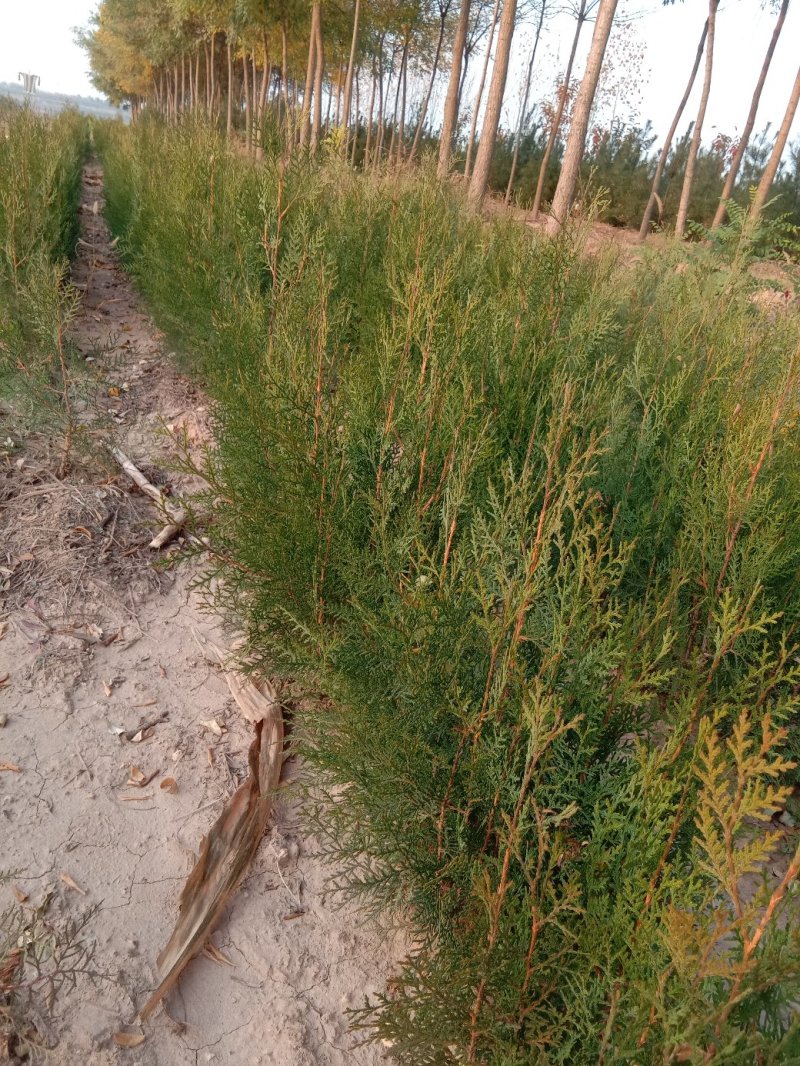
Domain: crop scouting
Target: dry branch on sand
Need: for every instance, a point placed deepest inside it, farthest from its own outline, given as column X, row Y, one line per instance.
column 177, row 516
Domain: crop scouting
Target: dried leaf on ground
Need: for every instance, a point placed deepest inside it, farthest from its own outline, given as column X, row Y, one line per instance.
column 216, row 955
column 225, row 854
column 128, row 1040
column 19, row 895
column 70, row 883
column 169, row 784
column 11, row 767
column 4, row 679
column 213, row 726
column 142, row 734
column 3, row 629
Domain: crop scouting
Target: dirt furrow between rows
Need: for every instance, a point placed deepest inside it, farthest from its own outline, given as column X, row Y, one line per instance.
column 99, row 644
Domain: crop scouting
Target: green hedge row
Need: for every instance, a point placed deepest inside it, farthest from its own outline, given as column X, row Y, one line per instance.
column 40, row 179
column 525, row 523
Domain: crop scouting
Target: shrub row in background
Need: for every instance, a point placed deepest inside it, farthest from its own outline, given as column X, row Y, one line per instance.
column 529, row 521
column 40, row 179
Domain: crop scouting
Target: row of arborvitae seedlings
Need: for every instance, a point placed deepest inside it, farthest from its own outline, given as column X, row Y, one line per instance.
column 40, row 174
column 529, row 521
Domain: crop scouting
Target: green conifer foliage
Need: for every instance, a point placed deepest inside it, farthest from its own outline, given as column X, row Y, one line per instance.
column 525, row 524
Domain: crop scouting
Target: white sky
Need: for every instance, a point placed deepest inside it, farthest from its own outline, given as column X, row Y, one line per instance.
column 37, row 36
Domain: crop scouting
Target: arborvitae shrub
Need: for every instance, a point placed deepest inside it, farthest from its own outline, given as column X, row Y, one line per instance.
column 528, row 520
column 40, row 180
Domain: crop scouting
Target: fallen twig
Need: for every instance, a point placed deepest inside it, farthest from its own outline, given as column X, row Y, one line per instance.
column 177, row 516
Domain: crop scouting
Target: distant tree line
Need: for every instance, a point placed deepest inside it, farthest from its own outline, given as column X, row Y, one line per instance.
column 288, row 74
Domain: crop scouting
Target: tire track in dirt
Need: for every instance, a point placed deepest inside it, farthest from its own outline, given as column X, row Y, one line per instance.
column 100, row 641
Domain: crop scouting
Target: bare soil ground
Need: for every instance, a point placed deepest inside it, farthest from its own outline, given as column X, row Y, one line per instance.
column 97, row 639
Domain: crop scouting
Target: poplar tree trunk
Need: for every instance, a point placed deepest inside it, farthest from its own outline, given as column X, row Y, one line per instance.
column 401, row 148
column 371, row 112
column 483, row 159
column 694, row 145
column 213, row 73
column 573, row 153
column 285, row 88
column 768, row 176
column 348, row 84
column 338, row 96
column 312, row 51
column 355, row 122
column 248, row 109
column 524, row 104
column 183, row 82
column 396, row 108
column 229, row 117
column 316, row 125
column 479, row 97
column 744, row 140
column 379, row 132
column 556, row 126
column 644, row 229
column 197, row 80
column 424, row 110
column 207, row 54
column 453, row 86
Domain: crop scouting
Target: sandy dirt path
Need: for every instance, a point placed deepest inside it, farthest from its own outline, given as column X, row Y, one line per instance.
column 97, row 641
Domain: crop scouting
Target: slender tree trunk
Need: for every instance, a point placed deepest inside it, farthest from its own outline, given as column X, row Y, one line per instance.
column 773, row 163
column 556, row 126
column 229, row 116
column 494, row 104
column 312, row 54
column 213, row 56
column 573, row 153
column 402, row 131
column 380, row 132
column 207, row 86
column 479, row 98
column 183, row 82
column 316, row 125
column 396, row 107
column 285, row 88
column 197, row 80
column 451, row 100
column 694, row 144
column 644, row 229
column 523, row 110
column 435, row 70
column 248, row 107
column 744, row 140
column 355, row 123
column 348, row 85
column 338, row 96
column 191, row 84
column 371, row 111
